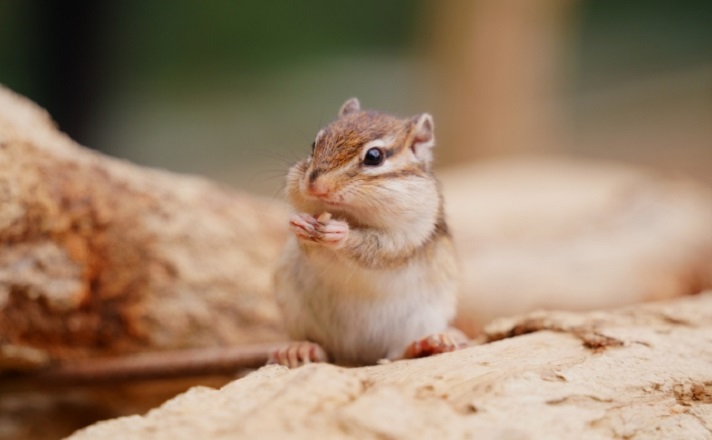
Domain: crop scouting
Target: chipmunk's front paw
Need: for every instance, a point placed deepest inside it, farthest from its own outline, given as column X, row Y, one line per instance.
column 322, row 229
column 303, row 225
column 332, row 232
column 297, row 354
column 433, row 344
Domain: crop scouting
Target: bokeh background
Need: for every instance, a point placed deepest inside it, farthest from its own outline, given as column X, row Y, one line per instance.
column 236, row 90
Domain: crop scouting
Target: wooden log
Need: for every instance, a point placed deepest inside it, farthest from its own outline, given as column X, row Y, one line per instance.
column 641, row 372
column 101, row 257
column 560, row 233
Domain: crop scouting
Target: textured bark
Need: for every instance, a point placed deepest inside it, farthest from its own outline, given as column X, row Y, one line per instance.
column 643, row 372
column 103, row 257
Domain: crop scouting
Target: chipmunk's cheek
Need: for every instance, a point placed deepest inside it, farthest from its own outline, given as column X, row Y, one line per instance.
column 335, row 200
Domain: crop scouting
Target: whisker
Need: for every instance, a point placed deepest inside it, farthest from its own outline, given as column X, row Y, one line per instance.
column 279, row 191
column 286, row 160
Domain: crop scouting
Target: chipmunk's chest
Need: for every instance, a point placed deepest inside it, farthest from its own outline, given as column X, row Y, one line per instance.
column 351, row 280
column 362, row 315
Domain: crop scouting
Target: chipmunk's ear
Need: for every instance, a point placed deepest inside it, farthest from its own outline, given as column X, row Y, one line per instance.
column 351, row 105
column 423, row 137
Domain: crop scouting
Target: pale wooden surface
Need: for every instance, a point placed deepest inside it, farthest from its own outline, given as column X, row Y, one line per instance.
column 642, row 372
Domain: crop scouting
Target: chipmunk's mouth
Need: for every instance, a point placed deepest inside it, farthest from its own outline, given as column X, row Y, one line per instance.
column 328, row 199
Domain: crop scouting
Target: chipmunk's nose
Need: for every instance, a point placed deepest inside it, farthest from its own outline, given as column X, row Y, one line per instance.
column 316, row 186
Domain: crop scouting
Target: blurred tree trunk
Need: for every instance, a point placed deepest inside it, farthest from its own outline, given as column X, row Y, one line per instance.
column 502, row 72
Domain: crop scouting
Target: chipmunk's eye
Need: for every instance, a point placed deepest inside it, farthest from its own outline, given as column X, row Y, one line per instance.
column 374, row 157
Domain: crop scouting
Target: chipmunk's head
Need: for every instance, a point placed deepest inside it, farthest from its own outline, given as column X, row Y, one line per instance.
column 366, row 164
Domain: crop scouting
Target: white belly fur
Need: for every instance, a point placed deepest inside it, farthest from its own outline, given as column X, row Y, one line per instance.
column 361, row 315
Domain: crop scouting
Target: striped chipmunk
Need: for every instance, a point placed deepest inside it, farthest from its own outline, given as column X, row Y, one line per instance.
column 369, row 272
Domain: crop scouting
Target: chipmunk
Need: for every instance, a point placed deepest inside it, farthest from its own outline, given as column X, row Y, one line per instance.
column 370, row 272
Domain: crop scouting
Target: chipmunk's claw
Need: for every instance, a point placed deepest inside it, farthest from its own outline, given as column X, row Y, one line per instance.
column 297, row 354
column 433, row 344
column 323, row 230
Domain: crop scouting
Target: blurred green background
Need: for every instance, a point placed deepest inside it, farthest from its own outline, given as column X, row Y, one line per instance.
column 236, row 90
